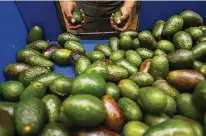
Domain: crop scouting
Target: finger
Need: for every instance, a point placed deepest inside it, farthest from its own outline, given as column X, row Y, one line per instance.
column 70, row 17
column 76, row 27
column 124, row 17
column 126, row 25
column 83, row 18
column 117, row 28
column 111, row 22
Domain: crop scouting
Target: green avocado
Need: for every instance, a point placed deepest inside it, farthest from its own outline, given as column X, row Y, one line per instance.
column 117, row 55
column 182, row 40
column 106, row 50
column 142, row 79
column 113, row 43
column 39, row 45
column 77, row 15
column 6, row 124
column 66, row 36
column 81, row 65
column 22, row 54
column 35, row 33
column 157, row 29
column 147, row 40
column 154, row 119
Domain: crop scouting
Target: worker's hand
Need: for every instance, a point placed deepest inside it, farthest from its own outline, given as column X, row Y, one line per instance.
column 126, row 17
column 67, row 8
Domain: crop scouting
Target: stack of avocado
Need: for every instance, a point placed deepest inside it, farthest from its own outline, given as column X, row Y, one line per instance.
column 150, row 83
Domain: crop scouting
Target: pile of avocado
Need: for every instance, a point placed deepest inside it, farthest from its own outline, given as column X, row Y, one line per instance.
column 150, row 83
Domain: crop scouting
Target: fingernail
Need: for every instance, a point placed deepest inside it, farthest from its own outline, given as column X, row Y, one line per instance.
column 73, row 20
column 119, row 21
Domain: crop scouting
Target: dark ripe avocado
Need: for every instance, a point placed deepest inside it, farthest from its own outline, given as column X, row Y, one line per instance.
column 171, row 127
column 85, row 110
column 13, row 70
column 29, row 75
column 89, row 83
column 64, row 37
column 29, row 116
column 6, row 124
column 39, row 45
column 191, row 18
column 24, row 53
column 74, row 46
column 135, row 127
column 47, row 53
column 157, row 29
column 147, row 40
column 173, row 25
column 36, row 33
column 54, row 129
column 77, row 16
column 11, row 90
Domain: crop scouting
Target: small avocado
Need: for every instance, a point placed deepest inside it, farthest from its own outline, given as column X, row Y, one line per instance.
column 147, row 40
column 66, row 36
column 38, row 45
column 47, row 53
column 154, row 119
column 136, row 128
column 171, row 106
column 24, row 53
column 74, row 46
column 165, row 46
column 132, row 69
column 116, row 17
column 142, row 79
column 195, row 32
column 113, row 90
column 199, row 50
column 104, row 49
column 113, row 43
column 36, row 33
column 117, row 55
column 182, row 40
column 81, row 65
column 145, row 53
column 95, row 55
column 125, row 42
column 77, row 16
column 61, row 56
column 157, row 29
column 131, row 33
column 134, row 58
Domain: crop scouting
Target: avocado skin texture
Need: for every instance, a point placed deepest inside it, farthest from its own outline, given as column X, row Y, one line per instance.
column 116, row 17
column 95, row 55
column 135, row 127
column 159, row 67
column 171, row 127
column 132, row 33
column 191, row 18
column 152, row 99
column 11, row 90
column 159, row 52
column 64, row 37
column 34, row 60
column 147, row 40
column 134, row 58
column 198, row 95
column 125, row 42
column 81, row 65
column 199, row 50
column 112, row 90
column 54, row 129
column 6, row 124
column 8, row 107
column 182, row 40
column 13, row 70
column 166, row 88
column 77, row 16
column 116, row 73
column 39, row 45
column 61, row 56
column 171, row 106
column 165, row 46
column 181, row 59
column 61, row 86
column 128, row 88
column 197, row 127
column 104, row 49
column 187, row 108
column 145, row 53
column 157, row 29
column 117, row 55
column 195, row 32
column 22, row 54
column 173, row 25
column 113, row 43
column 142, row 79
column 29, row 75
column 89, row 83
column 131, row 110
column 185, row 79
column 29, row 116
column 53, row 104
column 77, row 106
column 47, row 53
column 36, row 33
column 36, row 89
column 48, row 78
column 132, row 69
column 74, row 46
column 154, row 119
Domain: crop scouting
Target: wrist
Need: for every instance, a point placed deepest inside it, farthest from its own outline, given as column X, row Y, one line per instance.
column 129, row 5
